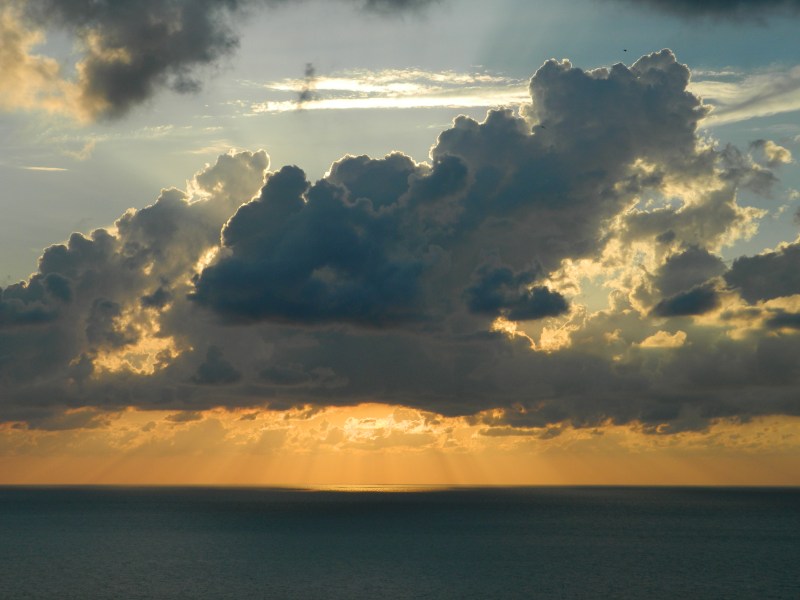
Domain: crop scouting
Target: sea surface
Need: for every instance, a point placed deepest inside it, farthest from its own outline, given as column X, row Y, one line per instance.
column 197, row 543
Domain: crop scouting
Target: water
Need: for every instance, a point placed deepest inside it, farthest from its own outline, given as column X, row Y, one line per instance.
column 621, row 543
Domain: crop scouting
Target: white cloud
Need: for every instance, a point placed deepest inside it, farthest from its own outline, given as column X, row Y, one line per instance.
column 399, row 88
column 747, row 96
column 663, row 339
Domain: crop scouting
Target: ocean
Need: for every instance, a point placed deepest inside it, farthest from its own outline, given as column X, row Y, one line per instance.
column 617, row 543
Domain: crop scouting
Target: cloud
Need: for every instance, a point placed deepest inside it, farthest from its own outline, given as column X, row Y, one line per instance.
column 394, row 88
column 687, row 269
column 298, row 260
column 391, row 6
column 498, row 291
column 783, row 319
column 306, row 93
column 28, row 80
column 697, row 301
column 184, row 417
column 728, row 9
column 741, row 96
column 131, row 51
column 128, row 52
column 216, row 370
column 771, row 154
column 768, row 275
column 453, row 287
column 664, row 339
column 90, row 308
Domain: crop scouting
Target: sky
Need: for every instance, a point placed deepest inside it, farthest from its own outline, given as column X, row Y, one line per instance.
column 400, row 242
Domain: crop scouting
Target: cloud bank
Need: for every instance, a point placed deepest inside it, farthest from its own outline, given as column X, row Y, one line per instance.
column 454, row 287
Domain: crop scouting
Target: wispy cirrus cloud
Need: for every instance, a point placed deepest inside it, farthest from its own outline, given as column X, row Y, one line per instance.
column 46, row 169
column 738, row 96
column 395, row 88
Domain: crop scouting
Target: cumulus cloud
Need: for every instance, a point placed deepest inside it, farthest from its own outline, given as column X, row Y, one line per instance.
column 305, row 260
column 663, row 339
column 500, row 292
column 696, row 301
column 453, row 287
column 770, row 153
column 687, row 269
column 768, row 275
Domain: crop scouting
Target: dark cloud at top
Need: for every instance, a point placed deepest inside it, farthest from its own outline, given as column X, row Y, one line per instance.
column 392, row 6
column 385, row 280
column 131, row 50
column 729, row 9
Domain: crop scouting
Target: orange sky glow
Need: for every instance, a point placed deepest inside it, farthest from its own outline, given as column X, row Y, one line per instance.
column 377, row 444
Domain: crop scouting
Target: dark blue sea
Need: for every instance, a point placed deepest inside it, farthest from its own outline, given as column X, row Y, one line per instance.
column 197, row 543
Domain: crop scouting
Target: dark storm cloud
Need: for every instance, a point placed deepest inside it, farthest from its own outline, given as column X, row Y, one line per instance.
column 687, row 269
column 131, row 50
column 767, row 276
column 498, row 291
column 102, row 325
column 94, row 294
column 384, row 241
column 784, row 319
column 382, row 281
column 215, row 370
column 158, row 299
column 697, row 301
column 324, row 259
column 31, row 302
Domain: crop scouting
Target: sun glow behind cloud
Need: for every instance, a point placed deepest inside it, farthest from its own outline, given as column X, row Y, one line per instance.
column 381, row 445
column 456, row 366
